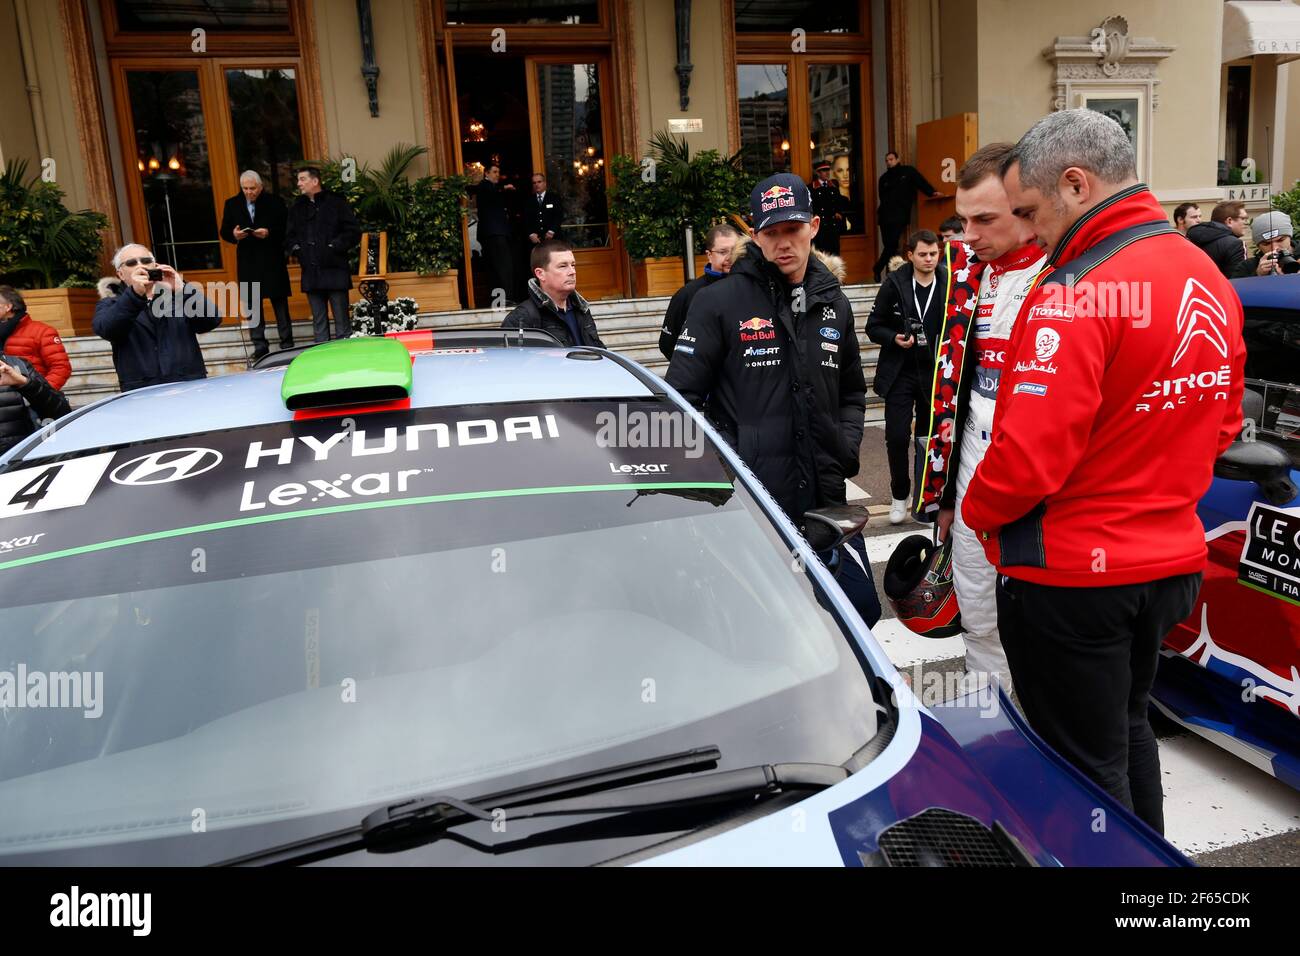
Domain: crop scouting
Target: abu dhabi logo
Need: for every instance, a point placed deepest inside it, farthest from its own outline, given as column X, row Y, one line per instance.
column 161, row 467
column 1200, row 314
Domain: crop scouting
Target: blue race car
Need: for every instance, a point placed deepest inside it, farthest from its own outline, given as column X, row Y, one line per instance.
column 1231, row 671
column 458, row 602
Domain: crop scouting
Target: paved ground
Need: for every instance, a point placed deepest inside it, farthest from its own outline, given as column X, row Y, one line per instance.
column 1219, row 810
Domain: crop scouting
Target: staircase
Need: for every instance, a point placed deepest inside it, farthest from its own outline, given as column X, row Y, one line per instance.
column 628, row 326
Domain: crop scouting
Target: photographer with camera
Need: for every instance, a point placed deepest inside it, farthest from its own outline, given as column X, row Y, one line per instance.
column 905, row 321
column 1274, row 255
column 153, row 320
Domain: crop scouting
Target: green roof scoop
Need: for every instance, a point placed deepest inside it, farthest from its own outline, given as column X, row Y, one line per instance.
column 348, row 372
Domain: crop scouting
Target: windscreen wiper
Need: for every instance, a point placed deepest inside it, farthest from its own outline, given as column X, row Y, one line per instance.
column 424, row 820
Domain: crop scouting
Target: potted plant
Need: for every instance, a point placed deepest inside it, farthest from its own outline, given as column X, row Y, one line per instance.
column 422, row 218
column 49, row 252
column 652, row 204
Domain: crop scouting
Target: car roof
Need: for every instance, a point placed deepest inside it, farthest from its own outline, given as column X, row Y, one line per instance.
column 1269, row 292
column 440, row 378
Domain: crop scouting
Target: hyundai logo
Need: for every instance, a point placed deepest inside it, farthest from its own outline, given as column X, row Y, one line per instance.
column 161, row 467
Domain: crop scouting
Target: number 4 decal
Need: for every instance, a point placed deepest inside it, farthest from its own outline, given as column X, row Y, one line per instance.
column 66, row 484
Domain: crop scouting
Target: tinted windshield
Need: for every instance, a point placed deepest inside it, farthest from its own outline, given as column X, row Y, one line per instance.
column 284, row 621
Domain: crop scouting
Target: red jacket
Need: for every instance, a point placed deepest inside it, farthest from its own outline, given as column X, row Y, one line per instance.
column 40, row 344
column 1118, row 393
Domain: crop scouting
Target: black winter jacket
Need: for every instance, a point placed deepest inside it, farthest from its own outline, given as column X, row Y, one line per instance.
column 321, row 234
column 784, row 388
column 154, row 342
column 895, row 303
column 675, row 315
column 259, row 260
column 539, row 312
column 19, row 405
column 1219, row 243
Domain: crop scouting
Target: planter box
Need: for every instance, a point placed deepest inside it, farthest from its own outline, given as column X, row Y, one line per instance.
column 70, row 311
column 661, row 276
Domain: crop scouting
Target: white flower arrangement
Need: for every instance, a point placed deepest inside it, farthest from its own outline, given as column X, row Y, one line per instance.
column 402, row 316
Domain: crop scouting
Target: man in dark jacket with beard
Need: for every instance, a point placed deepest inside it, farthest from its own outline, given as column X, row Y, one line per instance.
column 1220, row 238
column 25, row 398
column 322, row 231
column 772, row 349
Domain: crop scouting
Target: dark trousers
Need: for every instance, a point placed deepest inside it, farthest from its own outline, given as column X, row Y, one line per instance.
column 855, row 580
column 1083, row 661
column 337, row 301
column 891, row 237
column 496, row 250
column 257, row 326
column 906, row 402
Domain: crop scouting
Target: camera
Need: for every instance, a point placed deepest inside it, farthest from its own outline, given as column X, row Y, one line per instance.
column 917, row 331
column 1286, row 263
column 155, row 275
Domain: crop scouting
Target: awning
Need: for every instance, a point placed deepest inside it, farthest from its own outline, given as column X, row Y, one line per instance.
column 1261, row 28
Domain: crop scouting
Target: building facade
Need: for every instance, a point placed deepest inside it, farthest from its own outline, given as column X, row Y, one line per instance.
column 148, row 111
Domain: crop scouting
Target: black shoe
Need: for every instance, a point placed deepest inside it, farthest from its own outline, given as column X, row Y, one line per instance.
column 285, row 346
column 260, row 354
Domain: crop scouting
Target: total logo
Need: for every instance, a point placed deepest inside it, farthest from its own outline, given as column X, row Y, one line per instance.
column 757, row 329
column 162, row 467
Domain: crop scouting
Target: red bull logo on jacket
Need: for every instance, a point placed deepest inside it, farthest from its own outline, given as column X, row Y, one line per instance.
column 757, row 329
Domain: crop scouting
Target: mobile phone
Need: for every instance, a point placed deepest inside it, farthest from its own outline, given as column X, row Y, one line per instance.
column 155, row 275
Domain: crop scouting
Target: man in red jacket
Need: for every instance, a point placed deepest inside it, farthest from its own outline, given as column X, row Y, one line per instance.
column 38, row 343
column 1121, row 385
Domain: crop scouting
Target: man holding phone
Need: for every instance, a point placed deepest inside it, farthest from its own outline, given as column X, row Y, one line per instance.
column 254, row 221
column 153, row 319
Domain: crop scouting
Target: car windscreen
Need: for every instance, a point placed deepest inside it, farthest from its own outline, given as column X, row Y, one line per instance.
column 1272, row 344
column 286, row 620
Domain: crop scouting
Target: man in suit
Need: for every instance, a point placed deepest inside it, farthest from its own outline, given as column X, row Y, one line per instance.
column 540, row 218
column 494, row 227
column 254, row 223
column 897, row 190
column 322, row 231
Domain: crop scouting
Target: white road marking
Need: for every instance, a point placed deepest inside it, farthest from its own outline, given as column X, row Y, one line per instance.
column 881, row 546
column 1213, row 799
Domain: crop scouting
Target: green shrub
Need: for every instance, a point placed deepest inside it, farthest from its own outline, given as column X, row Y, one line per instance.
column 42, row 244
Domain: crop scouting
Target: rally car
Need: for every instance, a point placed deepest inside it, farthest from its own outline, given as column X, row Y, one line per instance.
column 1231, row 671
column 405, row 601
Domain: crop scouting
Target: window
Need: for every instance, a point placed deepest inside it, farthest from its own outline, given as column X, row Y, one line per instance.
column 573, row 148
column 764, row 117
column 522, row 11
column 148, row 16
column 264, row 119
column 835, row 105
column 1237, row 134
column 782, row 16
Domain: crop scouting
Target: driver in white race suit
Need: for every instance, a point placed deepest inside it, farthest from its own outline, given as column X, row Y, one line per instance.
column 1012, row 260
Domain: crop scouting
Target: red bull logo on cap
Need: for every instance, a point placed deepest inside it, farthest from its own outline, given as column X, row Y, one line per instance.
column 776, row 197
column 757, row 329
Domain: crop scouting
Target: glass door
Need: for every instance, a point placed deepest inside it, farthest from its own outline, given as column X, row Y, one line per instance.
column 189, row 127
column 570, row 116
column 169, row 149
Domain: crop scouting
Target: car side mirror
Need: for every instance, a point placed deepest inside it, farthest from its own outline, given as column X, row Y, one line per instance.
column 1263, row 463
column 829, row 527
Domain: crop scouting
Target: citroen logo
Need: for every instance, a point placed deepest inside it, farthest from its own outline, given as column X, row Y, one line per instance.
column 1200, row 314
column 161, row 467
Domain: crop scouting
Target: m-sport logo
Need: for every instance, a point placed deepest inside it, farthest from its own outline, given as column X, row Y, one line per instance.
column 1200, row 314
column 161, row 467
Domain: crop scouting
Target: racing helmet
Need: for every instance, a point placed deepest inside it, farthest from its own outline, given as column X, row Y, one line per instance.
column 919, row 586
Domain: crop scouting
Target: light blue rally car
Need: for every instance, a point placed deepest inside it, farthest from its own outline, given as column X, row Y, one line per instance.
column 484, row 599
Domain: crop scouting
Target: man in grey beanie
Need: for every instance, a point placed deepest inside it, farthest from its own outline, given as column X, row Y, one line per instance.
column 1274, row 255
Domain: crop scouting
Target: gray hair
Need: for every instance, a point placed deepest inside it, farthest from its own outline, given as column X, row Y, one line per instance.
column 1079, row 137
column 250, row 174
column 118, row 257
column 11, row 295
